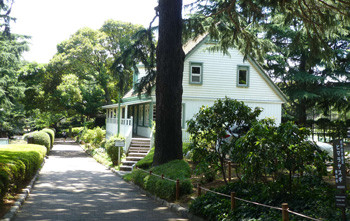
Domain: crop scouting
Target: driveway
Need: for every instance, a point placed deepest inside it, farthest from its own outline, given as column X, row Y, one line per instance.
column 73, row 186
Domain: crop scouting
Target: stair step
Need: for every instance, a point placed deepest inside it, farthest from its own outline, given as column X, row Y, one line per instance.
column 131, row 158
column 139, row 145
column 138, row 151
column 125, row 168
column 139, row 148
column 128, row 163
column 137, row 154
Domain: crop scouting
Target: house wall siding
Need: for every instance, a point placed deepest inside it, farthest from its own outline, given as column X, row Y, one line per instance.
column 220, row 77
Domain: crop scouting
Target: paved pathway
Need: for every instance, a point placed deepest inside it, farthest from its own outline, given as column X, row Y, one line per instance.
column 73, row 186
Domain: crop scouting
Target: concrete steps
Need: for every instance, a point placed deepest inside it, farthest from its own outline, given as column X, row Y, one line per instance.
column 138, row 150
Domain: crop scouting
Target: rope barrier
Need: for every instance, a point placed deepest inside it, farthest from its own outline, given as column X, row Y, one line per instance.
column 247, row 201
column 302, row 215
column 165, row 178
column 237, row 198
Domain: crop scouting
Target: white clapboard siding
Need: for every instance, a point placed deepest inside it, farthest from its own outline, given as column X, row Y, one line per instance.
column 220, row 75
column 270, row 110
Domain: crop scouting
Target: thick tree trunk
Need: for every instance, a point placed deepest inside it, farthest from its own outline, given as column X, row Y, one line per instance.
column 170, row 60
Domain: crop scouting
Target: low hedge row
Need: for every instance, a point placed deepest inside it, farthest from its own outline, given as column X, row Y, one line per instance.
column 18, row 164
column 44, row 137
column 165, row 189
column 51, row 133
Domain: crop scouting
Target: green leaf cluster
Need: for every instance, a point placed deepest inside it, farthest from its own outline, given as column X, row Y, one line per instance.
column 209, row 128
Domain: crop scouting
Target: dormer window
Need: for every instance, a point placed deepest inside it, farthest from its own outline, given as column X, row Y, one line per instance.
column 196, row 73
column 243, row 76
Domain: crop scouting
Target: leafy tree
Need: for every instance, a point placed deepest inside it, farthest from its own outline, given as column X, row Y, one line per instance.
column 11, row 90
column 209, row 128
column 300, row 67
column 269, row 151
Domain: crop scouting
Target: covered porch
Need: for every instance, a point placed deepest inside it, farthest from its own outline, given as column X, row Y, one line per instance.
column 130, row 119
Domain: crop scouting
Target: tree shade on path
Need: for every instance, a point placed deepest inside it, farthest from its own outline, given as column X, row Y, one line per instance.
column 73, row 186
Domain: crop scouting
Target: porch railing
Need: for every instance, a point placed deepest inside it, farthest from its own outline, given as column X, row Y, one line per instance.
column 127, row 124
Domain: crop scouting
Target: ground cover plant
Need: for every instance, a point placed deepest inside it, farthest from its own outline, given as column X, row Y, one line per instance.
column 165, row 189
column 19, row 163
column 313, row 197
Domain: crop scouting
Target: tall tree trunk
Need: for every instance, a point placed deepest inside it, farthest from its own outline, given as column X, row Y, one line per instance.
column 170, row 61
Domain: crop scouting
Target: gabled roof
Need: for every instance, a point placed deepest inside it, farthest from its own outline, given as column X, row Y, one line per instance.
column 192, row 45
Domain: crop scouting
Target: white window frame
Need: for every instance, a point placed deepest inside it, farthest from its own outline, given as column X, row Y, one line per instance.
column 243, row 68
column 200, row 75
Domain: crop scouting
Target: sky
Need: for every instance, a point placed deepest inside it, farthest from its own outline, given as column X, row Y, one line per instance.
column 50, row 22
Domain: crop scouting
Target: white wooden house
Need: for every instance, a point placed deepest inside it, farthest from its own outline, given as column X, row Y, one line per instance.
column 207, row 77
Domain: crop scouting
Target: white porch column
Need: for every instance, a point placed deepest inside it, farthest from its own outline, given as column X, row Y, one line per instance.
column 126, row 112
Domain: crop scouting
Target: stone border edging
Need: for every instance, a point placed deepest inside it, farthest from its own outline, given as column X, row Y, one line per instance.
column 22, row 196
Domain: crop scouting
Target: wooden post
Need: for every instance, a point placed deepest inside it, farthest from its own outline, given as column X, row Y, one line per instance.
column 177, row 189
column 233, row 200
column 285, row 214
column 229, row 171
column 199, row 190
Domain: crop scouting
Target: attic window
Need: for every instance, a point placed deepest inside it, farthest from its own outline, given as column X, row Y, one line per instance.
column 196, row 73
column 243, row 76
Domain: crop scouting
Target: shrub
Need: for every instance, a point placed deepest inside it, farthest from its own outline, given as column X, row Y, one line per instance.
column 18, row 163
column 93, row 136
column 209, row 129
column 112, row 150
column 51, row 133
column 165, row 189
column 39, row 137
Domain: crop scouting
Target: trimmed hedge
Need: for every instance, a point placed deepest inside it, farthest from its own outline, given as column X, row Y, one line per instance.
column 165, row 189
column 39, row 137
column 19, row 163
column 51, row 133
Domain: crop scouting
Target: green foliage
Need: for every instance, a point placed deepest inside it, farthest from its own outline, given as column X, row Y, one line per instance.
column 209, row 127
column 51, row 133
column 313, row 197
column 147, row 161
column 18, row 164
column 113, row 150
column 267, row 151
column 165, row 189
column 39, row 137
column 76, row 131
column 95, row 136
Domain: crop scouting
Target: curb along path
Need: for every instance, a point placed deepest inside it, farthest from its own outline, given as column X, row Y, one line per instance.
column 73, row 186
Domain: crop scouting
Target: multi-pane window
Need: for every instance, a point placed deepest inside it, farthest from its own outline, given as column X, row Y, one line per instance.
column 243, row 76
column 147, row 106
column 141, row 115
column 196, row 73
